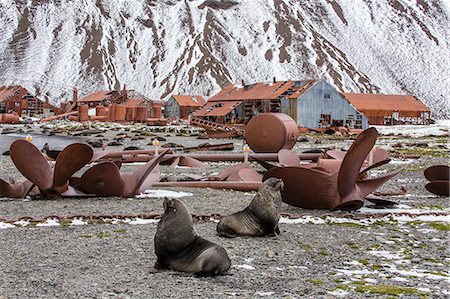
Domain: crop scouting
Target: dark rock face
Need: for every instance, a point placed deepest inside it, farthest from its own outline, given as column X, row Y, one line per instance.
column 174, row 46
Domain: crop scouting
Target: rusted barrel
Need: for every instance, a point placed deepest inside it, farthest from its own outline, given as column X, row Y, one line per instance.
column 156, row 112
column 130, row 113
column 9, row 118
column 120, row 112
column 271, row 132
column 111, row 113
column 72, row 118
column 101, row 111
column 83, row 112
column 141, row 114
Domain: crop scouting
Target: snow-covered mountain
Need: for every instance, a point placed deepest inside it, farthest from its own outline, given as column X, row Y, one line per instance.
column 198, row 46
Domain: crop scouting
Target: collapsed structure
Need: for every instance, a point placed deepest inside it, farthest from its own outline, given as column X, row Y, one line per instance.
column 18, row 101
column 311, row 103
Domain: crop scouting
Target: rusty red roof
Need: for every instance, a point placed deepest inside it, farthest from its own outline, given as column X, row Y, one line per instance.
column 8, row 91
column 217, row 108
column 189, row 101
column 97, row 96
column 262, row 91
column 133, row 102
column 383, row 102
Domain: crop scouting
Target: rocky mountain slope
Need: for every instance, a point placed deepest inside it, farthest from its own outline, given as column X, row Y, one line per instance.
column 198, row 46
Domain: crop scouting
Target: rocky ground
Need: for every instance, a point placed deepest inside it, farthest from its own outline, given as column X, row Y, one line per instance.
column 318, row 254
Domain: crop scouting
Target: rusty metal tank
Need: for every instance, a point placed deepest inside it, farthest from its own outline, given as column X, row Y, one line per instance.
column 141, row 114
column 120, row 112
column 9, row 118
column 271, row 132
column 83, row 112
column 101, row 111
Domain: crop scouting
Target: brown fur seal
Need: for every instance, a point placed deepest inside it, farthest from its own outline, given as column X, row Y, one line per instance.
column 178, row 247
column 260, row 218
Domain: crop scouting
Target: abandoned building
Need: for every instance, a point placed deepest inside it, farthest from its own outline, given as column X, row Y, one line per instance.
column 111, row 105
column 16, row 99
column 102, row 98
column 381, row 109
column 181, row 106
column 311, row 103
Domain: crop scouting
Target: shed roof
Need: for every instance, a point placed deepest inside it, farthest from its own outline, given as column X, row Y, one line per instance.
column 189, row 101
column 97, row 96
column 217, row 108
column 262, row 91
column 383, row 102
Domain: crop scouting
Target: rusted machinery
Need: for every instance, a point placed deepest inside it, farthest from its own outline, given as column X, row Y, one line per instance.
column 338, row 188
column 271, row 132
column 103, row 179
column 438, row 176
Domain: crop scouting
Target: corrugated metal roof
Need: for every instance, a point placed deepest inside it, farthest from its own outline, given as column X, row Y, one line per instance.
column 97, row 96
column 261, row 91
column 189, row 101
column 217, row 108
column 382, row 102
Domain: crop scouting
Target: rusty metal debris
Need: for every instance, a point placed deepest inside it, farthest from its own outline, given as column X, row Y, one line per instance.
column 15, row 190
column 271, row 132
column 231, row 157
column 101, row 180
column 210, row 147
column 319, row 187
column 438, row 176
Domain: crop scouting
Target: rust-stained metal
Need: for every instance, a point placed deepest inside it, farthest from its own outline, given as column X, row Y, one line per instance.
column 184, row 161
column 271, row 132
column 15, row 190
column 9, row 118
column 210, row 147
column 231, row 157
column 104, row 179
column 238, row 186
column 319, row 188
column 438, row 176
column 101, row 180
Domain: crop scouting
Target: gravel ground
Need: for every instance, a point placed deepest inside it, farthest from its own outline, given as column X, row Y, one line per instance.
column 314, row 257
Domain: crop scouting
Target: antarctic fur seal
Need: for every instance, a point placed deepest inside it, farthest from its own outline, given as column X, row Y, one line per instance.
column 178, row 247
column 260, row 218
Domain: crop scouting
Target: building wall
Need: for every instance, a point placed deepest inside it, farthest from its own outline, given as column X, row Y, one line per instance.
column 323, row 99
column 172, row 109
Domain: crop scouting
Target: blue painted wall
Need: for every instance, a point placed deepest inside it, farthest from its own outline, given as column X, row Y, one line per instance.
column 172, row 109
column 321, row 98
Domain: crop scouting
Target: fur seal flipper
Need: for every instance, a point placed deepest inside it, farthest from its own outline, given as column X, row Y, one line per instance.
column 261, row 216
column 178, row 247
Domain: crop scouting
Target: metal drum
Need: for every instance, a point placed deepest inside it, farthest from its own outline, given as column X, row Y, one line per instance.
column 120, row 112
column 83, row 112
column 9, row 118
column 101, row 111
column 271, row 132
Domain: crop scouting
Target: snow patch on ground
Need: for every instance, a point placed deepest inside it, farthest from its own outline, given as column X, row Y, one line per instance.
column 440, row 128
column 49, row 222
column 244, row 266
column 163, row 193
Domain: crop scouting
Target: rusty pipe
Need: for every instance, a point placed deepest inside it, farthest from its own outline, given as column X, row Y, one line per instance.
column 238, row 186
column 233, row 157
